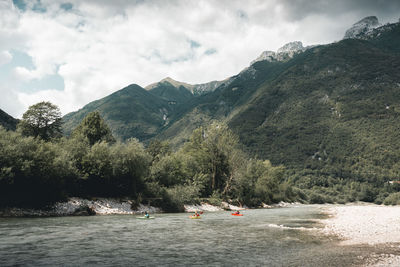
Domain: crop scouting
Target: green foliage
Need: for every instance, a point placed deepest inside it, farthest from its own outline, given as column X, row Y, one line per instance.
column 316, row 198
column 157, row 149
column 41, row 120
column 215, row 199
column 94, row 129
column 131, row 112
column 7, row 121
column 32, row 172
column 262, row 183
column 179, row 195
column 213, row 148
column 116, row 170
column 169, row 171
column 392, row 199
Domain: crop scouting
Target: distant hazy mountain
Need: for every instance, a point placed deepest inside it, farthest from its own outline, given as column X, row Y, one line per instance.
column 7, row 121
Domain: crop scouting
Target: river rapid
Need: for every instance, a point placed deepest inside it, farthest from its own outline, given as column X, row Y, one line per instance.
column 287, row 236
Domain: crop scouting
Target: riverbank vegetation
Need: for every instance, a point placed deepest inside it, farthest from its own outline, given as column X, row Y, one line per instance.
column 38, row 167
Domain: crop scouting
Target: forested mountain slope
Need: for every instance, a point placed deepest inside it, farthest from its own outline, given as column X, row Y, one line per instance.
column 129, row 112
column 331, row 111
column 7, row 121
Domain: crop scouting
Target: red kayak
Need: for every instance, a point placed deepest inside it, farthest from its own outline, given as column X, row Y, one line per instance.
column 234, row 214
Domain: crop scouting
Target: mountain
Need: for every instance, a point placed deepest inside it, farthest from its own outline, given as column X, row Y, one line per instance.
column 171, row 90
column 195, row 89
column 284, row 53
column 129, row 112
column 328, row 112
column 362, row 28
column 7, row 121
column 135, row 111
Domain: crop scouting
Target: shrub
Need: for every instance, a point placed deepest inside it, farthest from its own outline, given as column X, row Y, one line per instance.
column 392, row 199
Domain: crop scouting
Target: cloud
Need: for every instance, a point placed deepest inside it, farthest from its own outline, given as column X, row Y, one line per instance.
column 98, row 46
column 5, row 57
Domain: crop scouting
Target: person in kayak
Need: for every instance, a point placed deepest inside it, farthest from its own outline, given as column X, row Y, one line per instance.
column 196, row 214
column 146, row 214
column 237, row 212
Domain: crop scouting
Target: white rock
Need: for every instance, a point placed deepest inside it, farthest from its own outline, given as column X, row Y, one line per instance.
column 362, row 27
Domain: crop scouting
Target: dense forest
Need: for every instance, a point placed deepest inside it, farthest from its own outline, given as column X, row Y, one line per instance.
column 39, row 166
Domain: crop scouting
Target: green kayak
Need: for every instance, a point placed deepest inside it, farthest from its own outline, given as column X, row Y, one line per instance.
column 145, row 218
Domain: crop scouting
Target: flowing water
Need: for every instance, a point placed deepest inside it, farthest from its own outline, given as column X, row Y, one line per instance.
column 264, row 237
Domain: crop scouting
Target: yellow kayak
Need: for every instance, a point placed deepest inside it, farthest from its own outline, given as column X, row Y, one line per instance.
column 194, row 217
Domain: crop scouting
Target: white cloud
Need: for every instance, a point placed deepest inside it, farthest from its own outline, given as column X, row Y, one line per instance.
column 99, row 47
column 5, row 57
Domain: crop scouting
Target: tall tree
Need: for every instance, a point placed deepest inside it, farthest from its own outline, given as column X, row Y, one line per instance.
column 41, row 120
column 94, row 128
column 214, row 150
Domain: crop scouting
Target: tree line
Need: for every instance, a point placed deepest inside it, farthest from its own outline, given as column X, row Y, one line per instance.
column 38, row 166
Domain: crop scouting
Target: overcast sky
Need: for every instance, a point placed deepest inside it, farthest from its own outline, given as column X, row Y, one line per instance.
column 74, row 52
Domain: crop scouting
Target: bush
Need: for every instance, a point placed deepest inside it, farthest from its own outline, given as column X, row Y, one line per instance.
column 174, row 198
column 215, row 199
column 392, row 199
column 32, row 172
column 316, row 198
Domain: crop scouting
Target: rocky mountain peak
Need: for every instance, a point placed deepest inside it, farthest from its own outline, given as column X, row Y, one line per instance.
column 362, row 27
column 170, row 81
column 284, row 53
column 291, row 47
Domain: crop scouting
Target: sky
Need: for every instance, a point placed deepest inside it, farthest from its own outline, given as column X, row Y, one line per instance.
column 71, row 52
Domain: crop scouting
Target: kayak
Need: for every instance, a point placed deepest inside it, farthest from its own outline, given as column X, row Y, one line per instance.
column 145, row 218
column 194, row 217
column 234, row 214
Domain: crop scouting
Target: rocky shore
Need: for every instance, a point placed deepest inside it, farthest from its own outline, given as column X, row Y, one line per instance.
column 366, row 224
column 81, row 207
column 103, row 206
column 106, row 206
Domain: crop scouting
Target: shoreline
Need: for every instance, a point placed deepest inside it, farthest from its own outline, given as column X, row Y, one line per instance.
column 81, row 207
column 363, row 223
column 112, row 206
column 366, row 224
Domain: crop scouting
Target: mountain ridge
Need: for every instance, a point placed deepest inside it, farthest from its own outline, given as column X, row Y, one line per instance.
column 7, row 121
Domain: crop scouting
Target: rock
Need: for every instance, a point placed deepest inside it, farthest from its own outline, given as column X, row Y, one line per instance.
column 291, row 47
column 362, row 28
column 284, row 53
column 84, row 210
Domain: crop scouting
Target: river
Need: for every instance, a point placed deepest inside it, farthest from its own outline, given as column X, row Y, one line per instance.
column 263, row 237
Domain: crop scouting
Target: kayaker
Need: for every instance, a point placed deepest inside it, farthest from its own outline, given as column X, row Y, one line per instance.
column 146, row 214
column 196, row 214
column 237, row 212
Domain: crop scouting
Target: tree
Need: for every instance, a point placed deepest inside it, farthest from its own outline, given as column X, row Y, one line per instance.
column 158, row 149
column 41, row 120
column 214, row 149
column 94, row 129
column 32, row 171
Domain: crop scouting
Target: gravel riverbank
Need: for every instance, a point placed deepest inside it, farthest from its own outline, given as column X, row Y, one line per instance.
column 369, row 224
